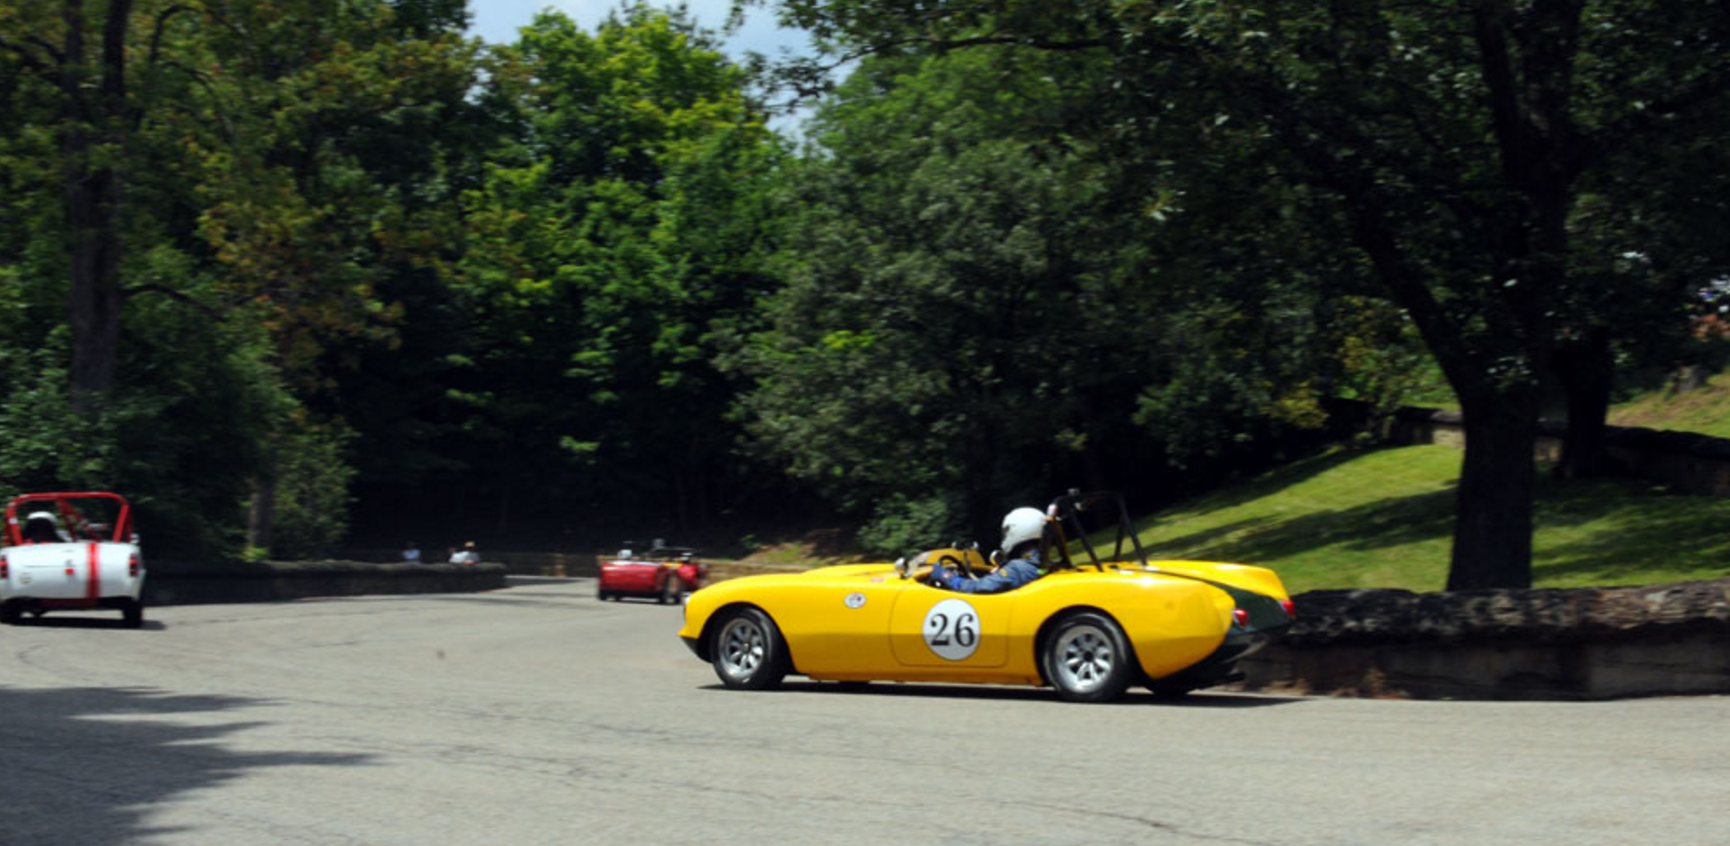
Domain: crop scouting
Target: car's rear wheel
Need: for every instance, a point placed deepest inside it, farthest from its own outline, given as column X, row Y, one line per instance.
column 11, row 613
column 1087, row 658
column 132, row 613
column 670, row 591
column 748, row 652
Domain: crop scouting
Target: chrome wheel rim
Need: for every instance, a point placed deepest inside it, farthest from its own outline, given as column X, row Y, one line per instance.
column 743, row 645
column 1085, row 658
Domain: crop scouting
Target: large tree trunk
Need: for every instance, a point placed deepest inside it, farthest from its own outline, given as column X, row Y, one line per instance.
column 1493, row 521
column 1585, row 367
column 92, row 211
column 91, row 136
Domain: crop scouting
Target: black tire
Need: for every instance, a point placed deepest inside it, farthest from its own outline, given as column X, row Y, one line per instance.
column 1087, row 658
column 11, row 613
column 132, row 613
column 603, row 595
column 670, row 591
column 747, row 650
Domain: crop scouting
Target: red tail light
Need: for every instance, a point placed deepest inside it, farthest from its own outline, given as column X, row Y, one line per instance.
column 132, row 566
column 1240, row 616
column 5, row 569
column 1290, row 608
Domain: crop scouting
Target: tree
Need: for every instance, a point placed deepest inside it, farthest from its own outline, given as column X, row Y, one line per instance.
column 945, row 343
column 616, row 229
column 259, row 163
column 83, row 56
column 1451, row 138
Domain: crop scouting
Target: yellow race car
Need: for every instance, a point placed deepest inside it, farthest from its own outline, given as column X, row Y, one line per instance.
column 1097, row 621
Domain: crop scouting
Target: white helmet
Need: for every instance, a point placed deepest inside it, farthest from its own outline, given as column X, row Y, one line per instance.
column 1020, row 526
column 41, row 527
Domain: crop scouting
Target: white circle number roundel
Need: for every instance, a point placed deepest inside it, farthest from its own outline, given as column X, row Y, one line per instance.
column 952, row 629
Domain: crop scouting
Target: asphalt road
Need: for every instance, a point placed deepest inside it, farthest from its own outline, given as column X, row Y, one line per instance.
column 538, row 715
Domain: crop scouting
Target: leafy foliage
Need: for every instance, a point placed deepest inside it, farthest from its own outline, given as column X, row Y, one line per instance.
column 617, row 229
column 1445, row 147
column 329, row 254
column 943, row 323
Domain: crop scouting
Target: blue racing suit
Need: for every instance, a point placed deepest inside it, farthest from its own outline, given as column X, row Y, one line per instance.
column 1017, row 572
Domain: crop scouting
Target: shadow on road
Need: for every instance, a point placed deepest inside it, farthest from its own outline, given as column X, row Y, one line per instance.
column 90, row 765
column 1203, row 699
column 88, row 620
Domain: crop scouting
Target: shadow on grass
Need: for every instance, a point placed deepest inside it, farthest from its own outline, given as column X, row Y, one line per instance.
column 1659, row 534
column 1376, row 525
column 90, row 765
column 1259, row 487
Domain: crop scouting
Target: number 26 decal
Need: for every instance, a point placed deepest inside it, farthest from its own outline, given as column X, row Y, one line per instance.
column 952, row 629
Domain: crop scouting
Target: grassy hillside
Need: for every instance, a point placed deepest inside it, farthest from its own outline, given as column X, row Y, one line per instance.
column 1705, row 410
column 1384, row 518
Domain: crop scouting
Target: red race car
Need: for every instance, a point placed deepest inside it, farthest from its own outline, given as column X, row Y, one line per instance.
column 666, row 573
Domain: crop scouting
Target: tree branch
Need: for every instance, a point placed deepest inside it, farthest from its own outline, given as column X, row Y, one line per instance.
column 177, row 296
column 161, row 24
column 1500, row 80
column 30, row 60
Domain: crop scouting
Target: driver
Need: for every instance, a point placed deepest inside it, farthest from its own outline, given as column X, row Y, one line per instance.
column 41, row 527
column 1023, row 529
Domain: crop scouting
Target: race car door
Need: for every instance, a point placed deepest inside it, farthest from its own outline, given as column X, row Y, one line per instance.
column 933, row 628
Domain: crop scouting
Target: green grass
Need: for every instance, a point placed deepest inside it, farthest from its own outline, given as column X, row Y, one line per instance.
column 1384, row 518
column 1704, row 410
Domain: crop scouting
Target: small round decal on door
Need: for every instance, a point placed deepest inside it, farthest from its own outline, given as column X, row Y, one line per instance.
column 952, row 629
column 855, row 600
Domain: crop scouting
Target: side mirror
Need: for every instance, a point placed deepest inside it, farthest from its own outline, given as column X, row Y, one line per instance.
column 997, row 558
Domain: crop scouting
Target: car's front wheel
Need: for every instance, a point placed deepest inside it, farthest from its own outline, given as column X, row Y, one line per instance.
column 1087, row 658
column 748, row 652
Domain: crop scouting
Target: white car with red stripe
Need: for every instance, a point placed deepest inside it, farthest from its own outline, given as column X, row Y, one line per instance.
column 70, row 551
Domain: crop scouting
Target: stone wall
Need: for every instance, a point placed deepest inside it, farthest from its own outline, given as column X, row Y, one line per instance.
column 1686, row 461
column 547, row 564
column 1585, row 643
column 179, row 583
